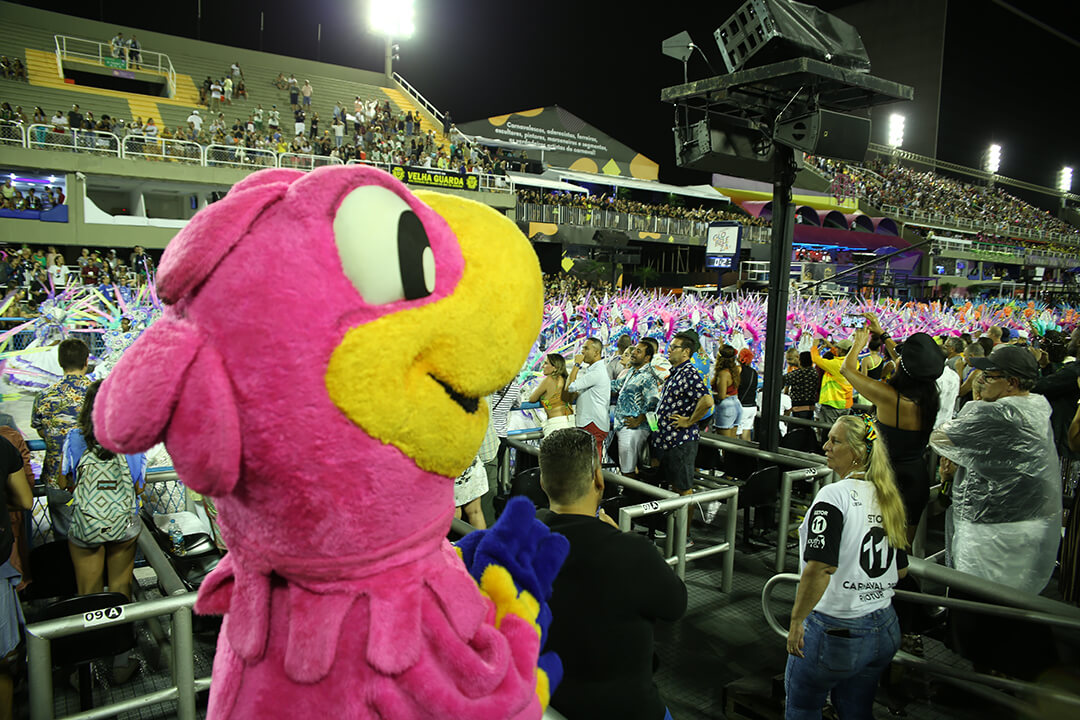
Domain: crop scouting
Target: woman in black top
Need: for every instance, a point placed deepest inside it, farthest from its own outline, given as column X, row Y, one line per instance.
column 803, row 384
column 907, row 406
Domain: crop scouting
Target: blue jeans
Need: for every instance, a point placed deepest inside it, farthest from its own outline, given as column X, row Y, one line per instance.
column 844, row 655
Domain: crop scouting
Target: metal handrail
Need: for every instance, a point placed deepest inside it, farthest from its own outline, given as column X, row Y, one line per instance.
column 305, row 161
column 39, row 658
column 961, row 678
column 75, row 140
column 678, row 524
column 99, row 52
column 6, row 127
column 136, row 145
column 410, row 90
column 238, row 156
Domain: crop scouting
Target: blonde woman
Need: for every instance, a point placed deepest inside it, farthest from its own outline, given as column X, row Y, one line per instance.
column 844, row 631
column 550, row 394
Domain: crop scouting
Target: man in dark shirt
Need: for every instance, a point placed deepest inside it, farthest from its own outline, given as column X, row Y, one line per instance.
column 684, row 402
column 609, row 594
column 17, row 495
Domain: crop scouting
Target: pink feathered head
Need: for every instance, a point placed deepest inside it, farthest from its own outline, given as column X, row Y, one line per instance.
column 317, row 368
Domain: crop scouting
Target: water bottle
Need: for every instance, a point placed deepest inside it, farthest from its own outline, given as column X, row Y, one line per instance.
column 176, row 535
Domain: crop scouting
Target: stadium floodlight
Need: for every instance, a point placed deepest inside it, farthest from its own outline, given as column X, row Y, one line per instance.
column 896, row 130
column 393, row 18
column 1065, row 179
column 993, row 159
column 52, row 178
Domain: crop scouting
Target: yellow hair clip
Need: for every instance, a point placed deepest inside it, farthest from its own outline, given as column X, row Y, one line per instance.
column 871, row 431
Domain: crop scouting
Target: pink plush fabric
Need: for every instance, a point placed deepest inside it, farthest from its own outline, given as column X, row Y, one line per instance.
column 342, row 597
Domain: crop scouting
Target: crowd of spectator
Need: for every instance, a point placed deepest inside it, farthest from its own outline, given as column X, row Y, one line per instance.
column 908, row 189
column 34, row 274
column 127, row 49
column 12, row 68
column 573, row 287
column 13, row 198
column 635, row 207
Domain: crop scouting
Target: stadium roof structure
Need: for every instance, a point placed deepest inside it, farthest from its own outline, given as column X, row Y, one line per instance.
column 702, row 192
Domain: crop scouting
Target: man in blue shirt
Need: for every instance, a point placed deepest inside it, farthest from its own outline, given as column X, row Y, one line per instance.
column 683, row 404
column 639, row 392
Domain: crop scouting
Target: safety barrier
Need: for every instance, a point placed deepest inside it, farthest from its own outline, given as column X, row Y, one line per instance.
column 12, row 133
column 667, row 501
column 96, row 142
column 238, row 156
column 158, row 148
column 807, row 467
column 305, row 162
column 99, row 53
column 955, row 221
column 1032, row 608
column 47, row 137
column 419, row 98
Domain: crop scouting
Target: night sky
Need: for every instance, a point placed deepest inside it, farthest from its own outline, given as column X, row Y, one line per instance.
column 1004, row 79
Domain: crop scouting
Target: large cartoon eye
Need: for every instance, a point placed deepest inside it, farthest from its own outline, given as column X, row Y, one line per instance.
column 383, row 247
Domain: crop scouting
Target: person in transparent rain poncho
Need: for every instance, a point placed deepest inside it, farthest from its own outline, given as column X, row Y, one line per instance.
column 1007, row 489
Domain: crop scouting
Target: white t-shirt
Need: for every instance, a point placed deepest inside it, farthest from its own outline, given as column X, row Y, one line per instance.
column 843, row 528
column 948, row 387
column 196, row 121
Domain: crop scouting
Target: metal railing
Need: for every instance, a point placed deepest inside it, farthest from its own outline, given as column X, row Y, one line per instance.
column 239, row 156
column 678, row 523
column 301, row 161
column 104, row 55
column 946, row 221
column 158, row 148
column 47, row 137
column 97, row 142
column 12, row 133
column 1031, row 608
column 415, row 94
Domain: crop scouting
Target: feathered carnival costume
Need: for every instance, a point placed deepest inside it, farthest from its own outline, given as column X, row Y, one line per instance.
column 317, row 370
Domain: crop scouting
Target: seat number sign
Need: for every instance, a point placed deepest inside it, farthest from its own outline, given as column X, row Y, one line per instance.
column 99, row 617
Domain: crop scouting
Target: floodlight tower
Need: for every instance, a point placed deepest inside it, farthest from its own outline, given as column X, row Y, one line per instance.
column 896, row 134
column 992, row 161
column 392, row 19
column 1065, row 183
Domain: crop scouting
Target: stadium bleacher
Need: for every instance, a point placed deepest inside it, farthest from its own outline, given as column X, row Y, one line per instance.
column 29, row 34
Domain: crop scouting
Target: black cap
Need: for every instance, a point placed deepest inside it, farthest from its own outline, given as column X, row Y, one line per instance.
column 921, row 358
column 1013, row 360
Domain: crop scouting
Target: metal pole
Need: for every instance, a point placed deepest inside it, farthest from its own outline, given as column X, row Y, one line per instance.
column 262, row 26
column 39, row 662
column 729, row 555
column 868, row 263
column 779, row 271
column 318, row 42
column 389, row 60
column 682, row 524
column 784, row 521
column 184, row 664
column 198, row 20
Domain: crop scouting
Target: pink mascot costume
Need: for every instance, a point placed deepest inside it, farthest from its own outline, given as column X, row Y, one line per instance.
column 319, row 372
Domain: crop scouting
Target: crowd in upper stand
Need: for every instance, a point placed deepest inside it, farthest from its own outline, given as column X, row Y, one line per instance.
column 12, row 68
column 909, row 189
column 635, row 207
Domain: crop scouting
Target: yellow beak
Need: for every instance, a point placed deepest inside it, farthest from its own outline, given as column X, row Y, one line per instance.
column 415, row 378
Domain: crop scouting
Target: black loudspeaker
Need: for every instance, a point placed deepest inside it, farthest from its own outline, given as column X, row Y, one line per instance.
column 717, row 146
column 827, row 134
column 768, row 31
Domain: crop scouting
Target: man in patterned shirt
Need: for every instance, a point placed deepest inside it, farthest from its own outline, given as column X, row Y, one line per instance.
column 639, row 392
column 56, row 411
column 684, row 402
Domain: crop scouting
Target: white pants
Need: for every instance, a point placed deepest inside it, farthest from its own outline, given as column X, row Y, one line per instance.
column 558, row 423
column 630, row 444
column 746, row 422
